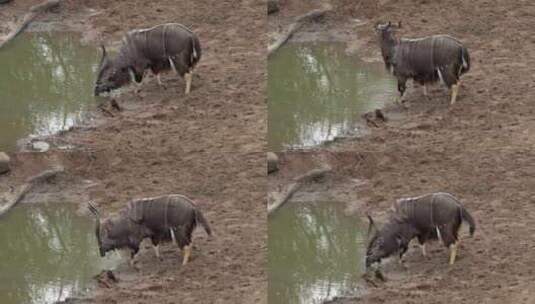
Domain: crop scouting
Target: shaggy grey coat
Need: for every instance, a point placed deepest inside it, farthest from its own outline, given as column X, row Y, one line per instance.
column 154, row 48
column 157, row 218
column 432, row 216
column 426, row 60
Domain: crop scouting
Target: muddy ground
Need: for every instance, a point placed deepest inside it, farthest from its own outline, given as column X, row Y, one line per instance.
column 207, row 145
column 481, row 149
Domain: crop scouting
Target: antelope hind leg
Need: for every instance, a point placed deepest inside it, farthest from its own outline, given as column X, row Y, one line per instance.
column 453, row 252
column 157, row 251
column 188, row 76
column 187, row 253
column 159, row 79
column 454, row 92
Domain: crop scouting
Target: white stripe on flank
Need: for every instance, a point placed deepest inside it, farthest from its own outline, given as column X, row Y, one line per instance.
column 164, row 24
column 440, row 76
column 439, row 235
column 172, row 65
column 173, row 236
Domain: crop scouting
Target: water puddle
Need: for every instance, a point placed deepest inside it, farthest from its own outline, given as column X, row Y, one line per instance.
column 46, row 84
column 48, row 253
column 315, row 253
column 316, row 92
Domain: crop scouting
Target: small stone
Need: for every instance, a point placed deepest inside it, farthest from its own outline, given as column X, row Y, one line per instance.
column 40, row 146
column 4, row 163
column 272, row 162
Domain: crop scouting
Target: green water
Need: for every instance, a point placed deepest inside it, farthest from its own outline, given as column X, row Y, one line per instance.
column 317, row 92
column 315, row 253
column 46, row 84
column 48, row 253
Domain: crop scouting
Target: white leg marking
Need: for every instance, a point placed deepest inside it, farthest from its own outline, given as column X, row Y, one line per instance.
column 133, row 77
column 157, row 251
column 187, row 253
column 188, row 77
column 159, row 79
column 132, row 261
column 454, row 92
column 424, row 253
column 453, row 253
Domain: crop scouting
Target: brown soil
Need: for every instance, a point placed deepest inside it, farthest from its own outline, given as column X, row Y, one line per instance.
column 481, row 149
column 207, row 145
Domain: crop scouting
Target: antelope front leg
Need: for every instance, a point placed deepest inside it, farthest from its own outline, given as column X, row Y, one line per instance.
column 132, row 261
column 133, row 79
column 187, row 253
column 425, row 91
column 424, row 252
column 157, row 251
column 188, row 77
column 401, row 89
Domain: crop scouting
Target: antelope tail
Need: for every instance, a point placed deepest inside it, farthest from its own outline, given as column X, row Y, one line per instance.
column 199, row 217
column 465, row 60
column 465, row 215
column 195, row 53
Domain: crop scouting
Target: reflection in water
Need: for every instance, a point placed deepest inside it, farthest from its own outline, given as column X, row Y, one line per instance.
column 48, row 253
column 317, row 92
column 314, row 253
column 46, row 82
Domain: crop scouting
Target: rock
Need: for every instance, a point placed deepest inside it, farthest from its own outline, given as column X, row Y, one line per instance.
column 272, row 162
column 40, row 146
column 106, row 278
column 379, row 115
column 272, row 6
column 4, row 163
